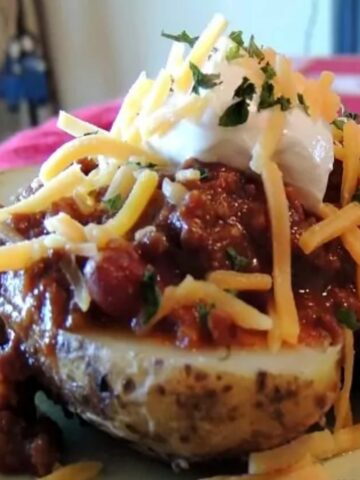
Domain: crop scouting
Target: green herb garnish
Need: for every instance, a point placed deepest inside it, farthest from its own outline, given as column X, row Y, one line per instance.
column 204, row 173
column 87, row 134
column 150, row 295
column 144, row 165
column 203, row 311
column 302, row 102
column 238, row 112
column 284, row 102
column 254, row 50
column 182, row 37
column 114, row 203
column 356, row 196
column 338, row 123
column 237, row 37
column 245, row 90
column 348, row 318
column 269, row 71
column 203, row 80
column 232, row 53
column 237, row 262
column 351, row 116
column 267, row 98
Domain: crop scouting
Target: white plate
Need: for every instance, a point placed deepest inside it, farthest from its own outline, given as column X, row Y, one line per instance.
column 121, row 463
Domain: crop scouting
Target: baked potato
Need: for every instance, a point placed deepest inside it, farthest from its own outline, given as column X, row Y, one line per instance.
column 195, row 405
column 197, row 311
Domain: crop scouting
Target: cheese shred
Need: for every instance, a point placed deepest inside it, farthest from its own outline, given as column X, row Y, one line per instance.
column 76, row 471
column 280, row 228
column 126, row 218
column 88, row 146
column 228, row 280
column 330, row 228
column 190, row 292
column 58, row 187
column 350, row 161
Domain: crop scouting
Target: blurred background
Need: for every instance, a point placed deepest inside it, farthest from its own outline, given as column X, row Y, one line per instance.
column 71, row 53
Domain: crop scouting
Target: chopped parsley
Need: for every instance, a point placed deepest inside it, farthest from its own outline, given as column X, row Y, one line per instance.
column 144, row 165
column 356, row 196
column 284, row 102
column 338, row 123
column 114, row 203
column 235, row 114
column 90, row 133
column 238, row 112
column 348, row 318
column 150, row 294
column 182, row 37
column 204, row 173
column 254, row 50
column 203, row 311
column 267, row 98
column 203, row 80
column 302, row 102
column 269, row 71
column 351, row 116
column 246, row 89
column 232, row 53
column 237, row 37
column 237, row 262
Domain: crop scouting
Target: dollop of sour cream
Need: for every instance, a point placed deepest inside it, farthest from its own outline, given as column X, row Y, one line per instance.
column 305, row 153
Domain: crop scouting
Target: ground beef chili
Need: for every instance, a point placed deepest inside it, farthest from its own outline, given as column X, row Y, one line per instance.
column 222, row 223
column 29, row 443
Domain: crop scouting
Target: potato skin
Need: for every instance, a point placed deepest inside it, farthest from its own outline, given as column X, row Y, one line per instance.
column 180, row 405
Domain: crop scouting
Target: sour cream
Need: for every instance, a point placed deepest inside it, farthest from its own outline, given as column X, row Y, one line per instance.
column 305, row 153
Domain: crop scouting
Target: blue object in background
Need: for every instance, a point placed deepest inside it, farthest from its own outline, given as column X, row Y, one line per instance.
column 347, row 26
column 23, row 76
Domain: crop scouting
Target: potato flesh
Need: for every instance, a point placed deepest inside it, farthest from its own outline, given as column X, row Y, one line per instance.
column 195, row 405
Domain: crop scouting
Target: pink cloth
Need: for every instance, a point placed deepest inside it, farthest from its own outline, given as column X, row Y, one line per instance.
column 34, row 145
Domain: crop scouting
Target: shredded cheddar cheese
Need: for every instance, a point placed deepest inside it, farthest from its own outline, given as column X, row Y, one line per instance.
column 320, row 445
column 175, row 58
column 274, row 337
column 76, row 471
column 121, row 183
column 191, row 291
column 131, row 106
column 228, row 280
column 125, row 219
column 192, row 108
column 88, row 146
column 60, row 186
column 350, row 239
column 76, row 127
column 330, row 228
column 65, row 226
column 21, row 255
column 280, row 226
column 351, row 159
column 285, row 80
column 200, row 51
